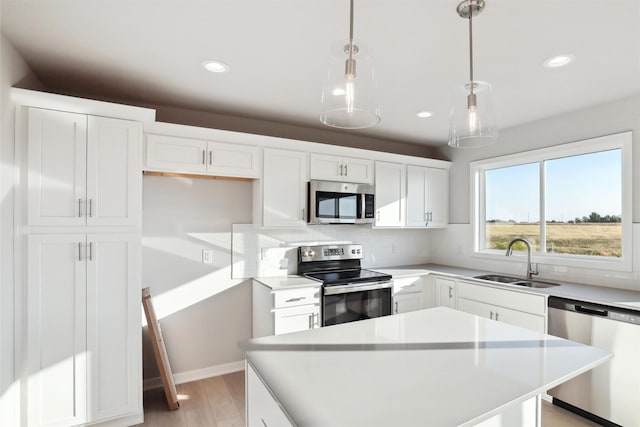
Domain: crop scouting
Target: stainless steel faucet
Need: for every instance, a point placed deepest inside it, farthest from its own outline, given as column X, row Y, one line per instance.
column 530, row 271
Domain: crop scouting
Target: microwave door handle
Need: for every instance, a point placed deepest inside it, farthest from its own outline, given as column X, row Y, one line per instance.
column 363, row 206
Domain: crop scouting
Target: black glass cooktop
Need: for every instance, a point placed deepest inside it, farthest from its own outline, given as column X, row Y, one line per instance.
column 341, row 277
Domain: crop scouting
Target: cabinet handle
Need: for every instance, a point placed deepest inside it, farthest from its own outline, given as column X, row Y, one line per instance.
column 90, row 208
column 497, row 315
column 263, row 423
column 79, row 251
column 346, row 170
column 316, row 316
column 491, row 315
column 341, row 166
column 79, row 208
column 204, row 153
column 396, row 306
column 90, row 251
column 210, row 157
column 295, row 299
column 450, row 292
column 303, row 216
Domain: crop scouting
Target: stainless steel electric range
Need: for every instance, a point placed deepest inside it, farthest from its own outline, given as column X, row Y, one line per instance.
column 349, row 292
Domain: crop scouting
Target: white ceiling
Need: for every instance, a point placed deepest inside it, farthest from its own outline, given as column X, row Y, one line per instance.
column 149, row 51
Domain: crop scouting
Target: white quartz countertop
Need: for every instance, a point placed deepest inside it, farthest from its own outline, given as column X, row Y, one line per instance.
column 597, row 294
column 434, row 367
column 287, row 282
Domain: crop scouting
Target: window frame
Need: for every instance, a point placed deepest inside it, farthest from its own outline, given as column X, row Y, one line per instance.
column 622, row 141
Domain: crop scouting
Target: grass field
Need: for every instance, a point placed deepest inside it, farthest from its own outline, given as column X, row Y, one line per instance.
column 602, row 239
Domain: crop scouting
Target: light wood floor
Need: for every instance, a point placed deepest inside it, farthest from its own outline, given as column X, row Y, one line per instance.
column 219, row 402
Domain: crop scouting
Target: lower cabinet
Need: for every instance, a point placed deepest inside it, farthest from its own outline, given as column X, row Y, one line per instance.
column 407, row 294
column 504, row 305
column 262, row 409
column 280, row 311
column 83, row 328
column 446, row 291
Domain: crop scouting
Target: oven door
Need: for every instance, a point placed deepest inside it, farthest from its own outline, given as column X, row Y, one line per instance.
column 347, row 303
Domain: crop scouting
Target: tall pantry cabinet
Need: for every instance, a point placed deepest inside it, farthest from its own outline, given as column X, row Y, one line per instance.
column 83, row 274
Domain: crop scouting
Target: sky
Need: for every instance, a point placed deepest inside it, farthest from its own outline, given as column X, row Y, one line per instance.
column 575, row 187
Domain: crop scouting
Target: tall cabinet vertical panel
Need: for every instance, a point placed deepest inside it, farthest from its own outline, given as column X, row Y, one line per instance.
column 84, row 184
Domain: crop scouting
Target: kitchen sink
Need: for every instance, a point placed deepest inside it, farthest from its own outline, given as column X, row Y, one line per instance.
column 518, row 281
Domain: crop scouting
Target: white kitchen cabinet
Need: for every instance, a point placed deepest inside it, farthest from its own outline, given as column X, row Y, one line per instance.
column 182, row 155
column 391, row 182
column 407, row 294
column 505, row 305
column 446, row 292
column 262, row 409
column 283, row 189
column 427, row 197
column 336, row 168
column 280, row 311
column 82, row 170
column 83, row 328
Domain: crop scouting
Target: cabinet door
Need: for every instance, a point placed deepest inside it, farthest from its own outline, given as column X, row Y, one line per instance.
column 358, row 170
column 390, row 194
column 502, row 314
column 262, row 409
column 427, row 197
column 113, row 325
column 56, row 159
column 284, row 188
column 437, row 196
column 403, row 303
column 324, row 166
column 294, row 319
column 168, row 153
column 113, row 172
column 232, row 160
column 446, row 292
column 417, row 211
column 56, row 330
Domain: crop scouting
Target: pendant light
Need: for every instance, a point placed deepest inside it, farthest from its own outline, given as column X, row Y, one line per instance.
column 348, row 96
column 473, row 121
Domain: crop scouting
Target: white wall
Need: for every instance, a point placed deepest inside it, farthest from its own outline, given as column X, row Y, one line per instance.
column 454, row 246
column 13, row 70
column 203, row 311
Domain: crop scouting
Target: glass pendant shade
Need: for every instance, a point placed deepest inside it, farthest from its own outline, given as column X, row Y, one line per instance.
column 472, row 121
column 349, row 94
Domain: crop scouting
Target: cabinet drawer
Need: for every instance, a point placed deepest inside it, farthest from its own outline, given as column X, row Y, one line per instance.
column 535, row 304
column 407, row 285
column 294, row 297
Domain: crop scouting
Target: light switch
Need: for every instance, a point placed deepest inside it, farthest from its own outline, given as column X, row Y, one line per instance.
column 207, row 256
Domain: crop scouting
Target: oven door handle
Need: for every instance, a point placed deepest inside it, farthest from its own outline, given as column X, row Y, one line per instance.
column 357, row 287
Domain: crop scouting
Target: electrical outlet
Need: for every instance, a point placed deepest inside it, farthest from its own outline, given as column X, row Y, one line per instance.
column 207, row 256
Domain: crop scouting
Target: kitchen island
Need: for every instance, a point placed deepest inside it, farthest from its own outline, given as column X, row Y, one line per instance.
column 435, row 367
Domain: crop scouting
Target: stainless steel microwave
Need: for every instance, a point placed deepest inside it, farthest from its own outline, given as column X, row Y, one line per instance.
column 331, row 202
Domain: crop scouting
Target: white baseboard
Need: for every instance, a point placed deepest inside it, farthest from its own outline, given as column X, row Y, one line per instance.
column 197, row 374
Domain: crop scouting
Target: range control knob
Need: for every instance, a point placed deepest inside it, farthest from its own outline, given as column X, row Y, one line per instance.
column 358, row 250
column 353, row 251
column 311, row 254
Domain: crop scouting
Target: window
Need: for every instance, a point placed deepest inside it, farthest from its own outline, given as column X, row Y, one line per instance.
column 571, row 202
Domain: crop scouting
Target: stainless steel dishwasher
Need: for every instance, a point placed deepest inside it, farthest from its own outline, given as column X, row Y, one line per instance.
column 610, row 393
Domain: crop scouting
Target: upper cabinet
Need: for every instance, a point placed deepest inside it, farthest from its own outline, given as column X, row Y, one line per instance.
column 427, row 197
column 282, row 189
column 336, row 168
column 181, row 155
column 82, row 170
column 391, row 183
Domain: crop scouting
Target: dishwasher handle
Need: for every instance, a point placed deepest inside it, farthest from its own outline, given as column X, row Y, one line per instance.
column 591, row 311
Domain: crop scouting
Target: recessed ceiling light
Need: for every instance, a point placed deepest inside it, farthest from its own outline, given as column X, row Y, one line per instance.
column 216, row 66
column 338, row 92
column 424, row 114
column 559, row 61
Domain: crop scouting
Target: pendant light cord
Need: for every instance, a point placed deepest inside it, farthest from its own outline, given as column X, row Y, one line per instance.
column 471, row 48
column 351, row 30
